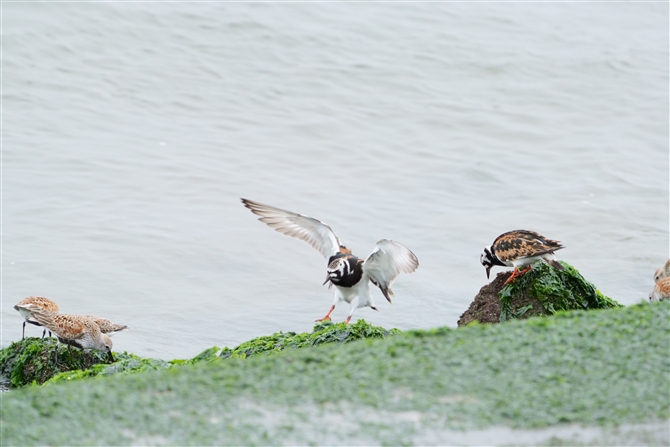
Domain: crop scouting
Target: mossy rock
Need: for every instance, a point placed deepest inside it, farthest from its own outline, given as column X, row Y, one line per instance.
column 322, row 333
column 609, row 369
column 544, row 290
column 33, row 360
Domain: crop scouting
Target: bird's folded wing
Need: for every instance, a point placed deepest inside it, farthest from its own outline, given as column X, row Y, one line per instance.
column 44, row 318
column 30, row 307
column 106, row 326
column 313, row 231
column 386, row 262
column 523, row 244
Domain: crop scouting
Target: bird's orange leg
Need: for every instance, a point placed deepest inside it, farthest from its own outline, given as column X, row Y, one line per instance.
column 516, row 273
column 348, row 320
column 327, row 317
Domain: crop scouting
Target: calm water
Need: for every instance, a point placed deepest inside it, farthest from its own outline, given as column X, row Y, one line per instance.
column 131, row 130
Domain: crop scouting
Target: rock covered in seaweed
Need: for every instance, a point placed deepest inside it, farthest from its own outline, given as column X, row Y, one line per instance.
column 324, row 332
column 542, row 291
column 32, row 360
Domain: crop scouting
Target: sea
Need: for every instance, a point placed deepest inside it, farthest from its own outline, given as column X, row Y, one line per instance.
column 130, row 131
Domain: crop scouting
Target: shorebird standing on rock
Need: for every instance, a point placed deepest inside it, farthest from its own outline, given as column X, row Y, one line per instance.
column 76, row 330
column 519, row 248
column 27, row 306
column 350, row 275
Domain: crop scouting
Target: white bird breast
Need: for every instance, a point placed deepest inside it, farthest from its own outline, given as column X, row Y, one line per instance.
column 360, row 290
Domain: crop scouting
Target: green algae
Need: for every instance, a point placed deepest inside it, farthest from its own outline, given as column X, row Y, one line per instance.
column 124, row 364
column 604, row 367
column 32, row 360
column 323, row 333
column 556, row 290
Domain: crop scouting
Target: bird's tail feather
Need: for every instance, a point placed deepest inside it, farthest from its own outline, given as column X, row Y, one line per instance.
column 556, row 264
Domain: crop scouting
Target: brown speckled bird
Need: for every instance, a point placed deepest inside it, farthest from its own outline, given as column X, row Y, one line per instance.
column 519, row 248
column 76, row 330
column 26, row 307
column 663, row 272
column 661, row 290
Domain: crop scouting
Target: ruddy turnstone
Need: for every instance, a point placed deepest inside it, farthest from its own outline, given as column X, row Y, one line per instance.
column 26, row 307
column 76, row 330
column 350, row 275
column 106, row 326
column 661, row 290
column 519, row 248
column 663, row 272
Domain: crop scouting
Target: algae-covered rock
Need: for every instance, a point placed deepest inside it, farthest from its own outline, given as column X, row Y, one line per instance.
column 34, row 360
column 544, row 290
column 124, row 364
column 325, row 332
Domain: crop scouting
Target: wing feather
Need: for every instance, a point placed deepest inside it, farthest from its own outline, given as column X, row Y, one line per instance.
column 316, row 233
column 386, row 262
column 520, row 244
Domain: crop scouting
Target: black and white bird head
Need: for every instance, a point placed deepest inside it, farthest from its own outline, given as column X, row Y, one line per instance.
column 337, row 269
column 487, row 259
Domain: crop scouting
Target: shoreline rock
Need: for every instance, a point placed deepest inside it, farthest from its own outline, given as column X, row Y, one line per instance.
column 32, row 360
column 602, row 368
column 542, row 291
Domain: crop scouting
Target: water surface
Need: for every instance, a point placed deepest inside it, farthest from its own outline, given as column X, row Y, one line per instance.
column 131, row 130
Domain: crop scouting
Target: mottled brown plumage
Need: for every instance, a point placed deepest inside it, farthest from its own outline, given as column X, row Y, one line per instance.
column 26, row 307
column 663, row 272
column 520, row 244
column 106, row 326
column 520, row 248
column 76, row 330
column 661, row 290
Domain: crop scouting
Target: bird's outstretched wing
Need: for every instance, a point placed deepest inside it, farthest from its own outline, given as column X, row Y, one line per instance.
column 313, row 231
column 386, row 262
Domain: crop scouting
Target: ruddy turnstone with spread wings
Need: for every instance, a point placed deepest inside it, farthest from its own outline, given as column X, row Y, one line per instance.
column 350, row 275
column 519, row 248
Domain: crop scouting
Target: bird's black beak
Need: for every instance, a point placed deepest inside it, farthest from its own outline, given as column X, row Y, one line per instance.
column 110, row 357
column 327, row 279
column 488, row 271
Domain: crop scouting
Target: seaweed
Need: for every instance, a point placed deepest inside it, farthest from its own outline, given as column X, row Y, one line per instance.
column 125, row 363
column 322, row 333
column 592, row 369
column 33, row 360
column 556, row 290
